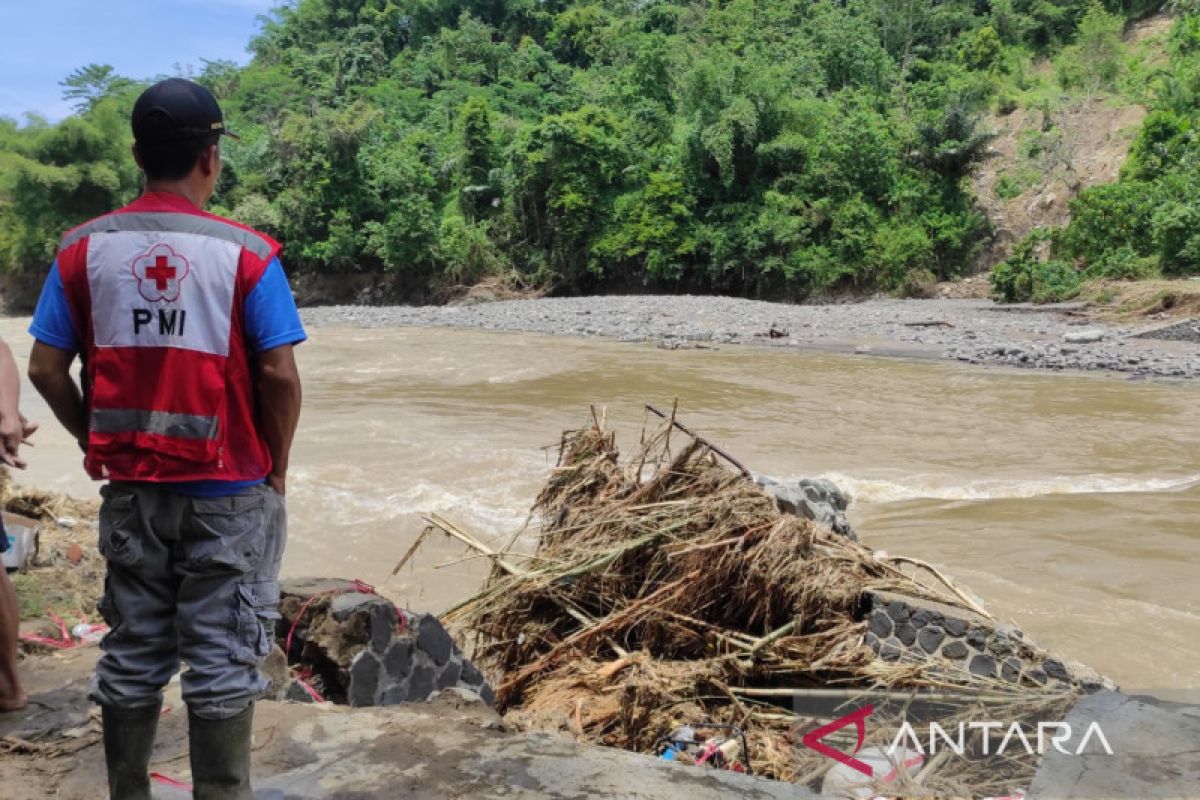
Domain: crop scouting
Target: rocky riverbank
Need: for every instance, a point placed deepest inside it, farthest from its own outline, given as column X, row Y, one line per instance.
column 1057, row 337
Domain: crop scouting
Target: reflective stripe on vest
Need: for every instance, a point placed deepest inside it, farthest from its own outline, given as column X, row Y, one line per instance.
column 162, row 423
column 175, row 222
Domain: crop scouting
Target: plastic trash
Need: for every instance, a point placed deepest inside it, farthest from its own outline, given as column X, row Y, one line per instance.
column 23, row 540
column 845, row 781
column 89, row 633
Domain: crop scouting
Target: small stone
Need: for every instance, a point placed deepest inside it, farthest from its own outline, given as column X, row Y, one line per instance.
column 890, row 650
column 297, row 693
column 383, row 626
column 955, row 627
column 471, row 674
column 74, row 553
column 1056, row 669
column 977, row 638
column 346, row 605
column 982, row 666
column 1084, row 337
column 1037, row 676
column 872, row 641
column 920, row 618
column 881, row 624
column 898, row 611
column 393, row 695
column 398, row 660
column 421, row 684
column 364, row 679
column 1010, row 670
column 487, row 695
column 1001, row 644
column 433, row 639
column 955, row 650
column 450, row 675
column 907, row 634
column 930, row 638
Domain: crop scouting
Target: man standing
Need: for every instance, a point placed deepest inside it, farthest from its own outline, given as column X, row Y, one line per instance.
column 14, row 430
column 185, row 325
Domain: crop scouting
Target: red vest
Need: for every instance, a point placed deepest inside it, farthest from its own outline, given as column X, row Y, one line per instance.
column 156, row 292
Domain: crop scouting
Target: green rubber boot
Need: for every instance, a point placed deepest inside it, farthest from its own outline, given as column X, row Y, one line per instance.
column 128, row 741
column 220, row 752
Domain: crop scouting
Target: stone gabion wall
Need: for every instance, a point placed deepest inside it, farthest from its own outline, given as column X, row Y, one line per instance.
column 903, row 629
column 381, row 659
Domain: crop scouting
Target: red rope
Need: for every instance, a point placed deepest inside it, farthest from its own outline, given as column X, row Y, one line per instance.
column 166, row 780
column 303, row 677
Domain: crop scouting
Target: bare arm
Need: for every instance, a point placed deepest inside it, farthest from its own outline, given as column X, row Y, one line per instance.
column 279, row 404
column 50, row 373
column 12, row 426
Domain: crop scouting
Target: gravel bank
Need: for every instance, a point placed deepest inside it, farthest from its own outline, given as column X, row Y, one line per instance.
column 973, row 331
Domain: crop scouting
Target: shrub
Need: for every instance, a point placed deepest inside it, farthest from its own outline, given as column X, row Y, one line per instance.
column 1024, row 277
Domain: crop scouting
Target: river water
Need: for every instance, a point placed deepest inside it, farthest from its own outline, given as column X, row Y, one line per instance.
column 1070, row 503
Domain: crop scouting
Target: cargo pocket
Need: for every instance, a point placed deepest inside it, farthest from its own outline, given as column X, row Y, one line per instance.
column 120, row 528
column 108, row 609
column 256, row 612
column 228, row 533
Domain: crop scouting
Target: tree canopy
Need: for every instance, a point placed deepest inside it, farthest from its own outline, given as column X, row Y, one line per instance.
column 757, row 147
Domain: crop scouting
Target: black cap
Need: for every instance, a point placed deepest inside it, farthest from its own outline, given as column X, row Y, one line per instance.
column 176, row 110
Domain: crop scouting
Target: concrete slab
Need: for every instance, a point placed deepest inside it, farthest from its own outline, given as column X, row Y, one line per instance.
column 1155, row 752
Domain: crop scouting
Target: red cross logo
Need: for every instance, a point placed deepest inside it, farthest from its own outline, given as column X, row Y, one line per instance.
column 160, row 273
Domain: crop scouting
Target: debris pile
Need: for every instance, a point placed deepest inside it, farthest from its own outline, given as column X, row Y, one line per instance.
column 670, row 589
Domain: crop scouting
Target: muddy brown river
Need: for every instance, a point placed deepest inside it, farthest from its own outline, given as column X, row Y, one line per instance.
column 1070, row 503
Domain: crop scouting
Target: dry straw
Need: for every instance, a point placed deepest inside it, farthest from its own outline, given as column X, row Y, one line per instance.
column 669, row 589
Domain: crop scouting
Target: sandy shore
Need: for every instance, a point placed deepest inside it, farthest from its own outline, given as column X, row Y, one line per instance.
column 1061, row 337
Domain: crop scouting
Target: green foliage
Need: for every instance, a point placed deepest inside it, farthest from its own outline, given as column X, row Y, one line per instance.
column 1093, row 62
column 1024, row 277
column 1148, row 222
column 759, row 147
column 52, row 178
column 1008, row 187
column 88, row 85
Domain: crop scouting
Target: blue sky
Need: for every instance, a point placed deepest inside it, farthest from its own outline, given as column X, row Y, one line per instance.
column 43, row 41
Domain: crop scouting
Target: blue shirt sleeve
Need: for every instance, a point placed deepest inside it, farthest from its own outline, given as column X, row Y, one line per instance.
column 270, row 312
column 52, row 322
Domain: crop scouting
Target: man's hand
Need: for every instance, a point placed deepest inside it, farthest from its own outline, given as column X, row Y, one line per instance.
column 278, row 484
column 13, row 432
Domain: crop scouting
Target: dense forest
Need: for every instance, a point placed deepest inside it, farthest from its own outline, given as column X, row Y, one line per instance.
column 773, row 148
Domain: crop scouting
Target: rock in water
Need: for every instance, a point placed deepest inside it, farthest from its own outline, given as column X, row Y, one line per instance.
column 818, row 499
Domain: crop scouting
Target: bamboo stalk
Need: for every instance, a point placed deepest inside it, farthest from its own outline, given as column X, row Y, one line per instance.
column 411, row 552
column 916, row 562
column 440, row 522
column 773, row 636
column 676, row 423
column 889, row 694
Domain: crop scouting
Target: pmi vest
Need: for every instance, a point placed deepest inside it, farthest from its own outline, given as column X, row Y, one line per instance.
column 156, row 291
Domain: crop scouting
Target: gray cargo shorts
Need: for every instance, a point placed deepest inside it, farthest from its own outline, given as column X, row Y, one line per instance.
column 192, row 579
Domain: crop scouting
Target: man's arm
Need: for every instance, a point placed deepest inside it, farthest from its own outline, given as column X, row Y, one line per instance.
column 50, row 373
column 12, row 426
column 278, row 385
